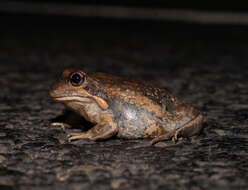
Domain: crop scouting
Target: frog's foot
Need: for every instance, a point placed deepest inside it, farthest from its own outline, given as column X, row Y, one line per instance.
column 60, row 124
column 176, row 136
column 163, row 137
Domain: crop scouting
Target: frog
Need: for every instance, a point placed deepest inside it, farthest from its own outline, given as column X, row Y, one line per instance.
column 124, row 107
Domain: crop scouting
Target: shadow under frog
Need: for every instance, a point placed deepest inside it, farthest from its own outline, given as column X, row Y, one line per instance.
column 125, row 108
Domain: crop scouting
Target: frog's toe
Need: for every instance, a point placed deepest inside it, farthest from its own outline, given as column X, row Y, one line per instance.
column 76, row 136
column 60, row 124
column 175, row 137
column 72, row 138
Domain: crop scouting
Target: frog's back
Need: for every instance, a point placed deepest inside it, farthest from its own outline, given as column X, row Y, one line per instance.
column 134, row 91
column 140, row 108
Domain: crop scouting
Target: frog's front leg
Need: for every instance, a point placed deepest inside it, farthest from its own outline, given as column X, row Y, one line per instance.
column 99, row 132
column 103, row 130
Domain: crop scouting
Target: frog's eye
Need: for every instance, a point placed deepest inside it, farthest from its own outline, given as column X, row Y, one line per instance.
column 77, row 79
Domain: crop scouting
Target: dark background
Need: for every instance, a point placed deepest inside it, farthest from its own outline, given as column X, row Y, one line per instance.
column 205, row 64
column 229, row 6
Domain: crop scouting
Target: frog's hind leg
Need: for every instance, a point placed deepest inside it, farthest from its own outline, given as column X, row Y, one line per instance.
column 163, row 137
column 189, row 129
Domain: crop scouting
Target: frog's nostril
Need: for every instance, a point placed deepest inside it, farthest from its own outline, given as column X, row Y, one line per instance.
column 52, row 91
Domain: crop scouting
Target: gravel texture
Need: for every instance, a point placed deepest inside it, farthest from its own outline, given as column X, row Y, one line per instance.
column 205, row 65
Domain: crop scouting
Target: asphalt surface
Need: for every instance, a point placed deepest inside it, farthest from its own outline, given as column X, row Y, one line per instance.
column 204, row 65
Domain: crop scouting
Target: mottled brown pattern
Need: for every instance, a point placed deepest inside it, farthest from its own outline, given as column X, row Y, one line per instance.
column 136, row 107
column 136, row 91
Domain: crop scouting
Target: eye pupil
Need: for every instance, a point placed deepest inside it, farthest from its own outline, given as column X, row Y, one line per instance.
column 76, row 79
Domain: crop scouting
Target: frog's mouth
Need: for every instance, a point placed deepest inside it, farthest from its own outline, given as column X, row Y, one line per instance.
column 82, row 100
column 76, row 99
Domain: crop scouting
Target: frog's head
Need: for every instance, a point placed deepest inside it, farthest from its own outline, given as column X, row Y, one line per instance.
column 73, row 90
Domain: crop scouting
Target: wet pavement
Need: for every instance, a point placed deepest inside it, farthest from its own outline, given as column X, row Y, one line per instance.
column 204, row 65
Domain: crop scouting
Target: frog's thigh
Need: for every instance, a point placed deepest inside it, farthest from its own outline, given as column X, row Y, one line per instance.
column 189, row 129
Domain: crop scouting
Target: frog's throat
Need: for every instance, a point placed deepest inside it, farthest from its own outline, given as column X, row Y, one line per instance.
column 101, row 103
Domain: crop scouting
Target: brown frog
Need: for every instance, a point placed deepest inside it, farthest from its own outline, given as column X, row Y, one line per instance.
column 125, row 108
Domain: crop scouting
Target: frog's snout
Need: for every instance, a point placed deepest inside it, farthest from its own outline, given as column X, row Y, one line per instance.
column 51, row 93
column 54, row 90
